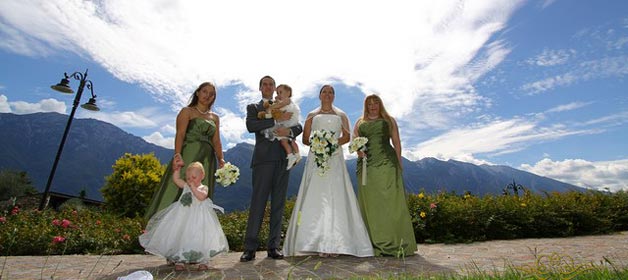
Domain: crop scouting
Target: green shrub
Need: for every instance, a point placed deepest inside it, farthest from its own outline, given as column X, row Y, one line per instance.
column 440, row 217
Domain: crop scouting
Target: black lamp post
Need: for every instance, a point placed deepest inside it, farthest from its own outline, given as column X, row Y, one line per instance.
column 64, row 86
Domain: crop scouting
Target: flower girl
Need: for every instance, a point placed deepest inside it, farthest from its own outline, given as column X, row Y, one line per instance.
column 187, row 231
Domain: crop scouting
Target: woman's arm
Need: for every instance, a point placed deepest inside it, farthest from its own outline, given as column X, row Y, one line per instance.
column 346, row 135
column 217, row 143
column 183, row 119
column 394, row 136
column 307, row 130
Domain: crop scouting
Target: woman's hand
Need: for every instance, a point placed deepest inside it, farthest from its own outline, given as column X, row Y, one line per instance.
column 361, row 154
column 178, row 161
column 221, row 163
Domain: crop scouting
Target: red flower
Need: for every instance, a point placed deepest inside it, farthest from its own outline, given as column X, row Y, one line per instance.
column 58, row 239
column 126, row 237
column 3, row 219
column 15, row 210
column 56, row 222
column 98, row 222
column 432, row 205
column 65, row 223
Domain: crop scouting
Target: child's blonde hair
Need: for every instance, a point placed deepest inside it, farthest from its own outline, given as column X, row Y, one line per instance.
column 196, row 165
column 286, row 87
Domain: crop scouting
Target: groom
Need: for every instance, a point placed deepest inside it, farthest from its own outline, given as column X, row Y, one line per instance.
column 270, row 176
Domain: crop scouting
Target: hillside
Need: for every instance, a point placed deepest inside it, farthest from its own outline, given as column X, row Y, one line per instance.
column 31, row 141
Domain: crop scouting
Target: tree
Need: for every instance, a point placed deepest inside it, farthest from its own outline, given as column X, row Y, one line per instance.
column 15, row 184
column 129, row 188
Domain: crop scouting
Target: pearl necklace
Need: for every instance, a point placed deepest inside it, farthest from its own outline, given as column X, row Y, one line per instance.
column 204, row 113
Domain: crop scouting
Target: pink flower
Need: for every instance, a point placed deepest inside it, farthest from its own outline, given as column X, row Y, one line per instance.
column 56, row 222
column 98, row 222
column 126, row 237
column 74, row 212
column 65, row 223
column 58, row 239
column 15, row 210
column 3, row 219
column 432, row 205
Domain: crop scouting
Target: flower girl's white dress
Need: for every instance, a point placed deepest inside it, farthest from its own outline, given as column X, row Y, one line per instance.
column 187, row 231
column 326, row 216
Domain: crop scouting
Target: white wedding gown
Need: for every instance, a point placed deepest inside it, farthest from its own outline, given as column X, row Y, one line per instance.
column 326, row 216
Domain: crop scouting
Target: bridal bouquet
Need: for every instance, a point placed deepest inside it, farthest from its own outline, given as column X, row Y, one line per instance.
column 227, row 175
column 323, row 144
column 358, row 144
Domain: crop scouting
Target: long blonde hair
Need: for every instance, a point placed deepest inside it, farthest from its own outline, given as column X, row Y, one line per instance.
column 382, row 110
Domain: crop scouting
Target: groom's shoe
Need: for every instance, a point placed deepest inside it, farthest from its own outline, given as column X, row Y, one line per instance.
column 247, row 256
column 275, row 254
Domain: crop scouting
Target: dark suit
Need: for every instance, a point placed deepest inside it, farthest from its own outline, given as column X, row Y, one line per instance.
column 270, row 177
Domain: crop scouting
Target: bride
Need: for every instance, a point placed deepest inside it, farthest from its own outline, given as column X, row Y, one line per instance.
column 326, row 218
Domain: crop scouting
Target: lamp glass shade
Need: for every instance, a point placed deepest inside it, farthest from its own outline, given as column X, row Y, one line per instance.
column 63, row 86
column 91, row 105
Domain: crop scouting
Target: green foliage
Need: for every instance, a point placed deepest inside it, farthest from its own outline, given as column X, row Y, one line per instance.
column 85, row 231
column 129, row 188
column 15, row 184
column 447, row 217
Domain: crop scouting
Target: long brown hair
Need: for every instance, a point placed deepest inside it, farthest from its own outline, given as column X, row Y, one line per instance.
column 382, row 110
column 194, row 100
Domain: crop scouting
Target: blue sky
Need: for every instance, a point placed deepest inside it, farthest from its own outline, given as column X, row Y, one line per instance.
column 536, row 85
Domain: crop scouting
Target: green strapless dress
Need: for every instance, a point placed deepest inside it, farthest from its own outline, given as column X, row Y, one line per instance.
column 197, row 146
column 383, row 199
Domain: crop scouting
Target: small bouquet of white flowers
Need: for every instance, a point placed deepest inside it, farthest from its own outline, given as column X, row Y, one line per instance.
column 323, row 144
column 227, row 175
column 358, row 144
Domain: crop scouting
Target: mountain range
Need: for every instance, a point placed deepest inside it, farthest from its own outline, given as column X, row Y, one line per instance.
column 30, row 143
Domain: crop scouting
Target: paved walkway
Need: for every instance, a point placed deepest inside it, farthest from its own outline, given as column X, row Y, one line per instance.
column 430, row 259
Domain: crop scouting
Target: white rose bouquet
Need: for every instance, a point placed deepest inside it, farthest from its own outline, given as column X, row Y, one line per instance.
column 358, row 144
column 323, row 144
column 227, row 175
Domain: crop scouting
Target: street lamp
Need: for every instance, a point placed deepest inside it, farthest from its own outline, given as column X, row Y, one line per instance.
column 64, row 86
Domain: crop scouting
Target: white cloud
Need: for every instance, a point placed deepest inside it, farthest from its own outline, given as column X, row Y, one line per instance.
column 123, row 119
column 600, row 175
column 422, row 57
column 168, row 129
column 158, row 139
column 551, row 57
column 568, row 107
column 593, row 69
column 4, row 104
column 232, row 128
column 22, row 107
column 492, row 138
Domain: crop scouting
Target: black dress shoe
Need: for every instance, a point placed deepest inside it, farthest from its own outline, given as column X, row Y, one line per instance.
column 247, row 256
column 275, row 254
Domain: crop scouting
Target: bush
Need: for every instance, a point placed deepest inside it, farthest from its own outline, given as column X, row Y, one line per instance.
column 130, row 187
column 447, row 217
column 441, row 217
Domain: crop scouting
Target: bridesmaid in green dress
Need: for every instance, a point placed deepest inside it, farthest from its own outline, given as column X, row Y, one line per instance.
column 382, row 197
column 197, row 139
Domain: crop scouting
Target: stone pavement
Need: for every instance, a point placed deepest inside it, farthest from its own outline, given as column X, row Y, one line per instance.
column 430, row 259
